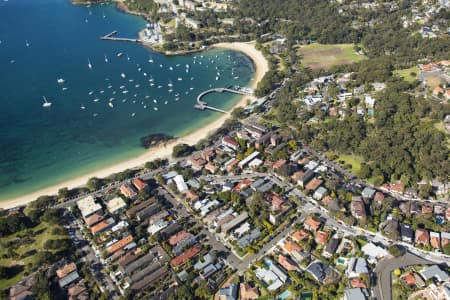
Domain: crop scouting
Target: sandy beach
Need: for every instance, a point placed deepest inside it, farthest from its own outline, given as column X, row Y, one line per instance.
column 261, row 67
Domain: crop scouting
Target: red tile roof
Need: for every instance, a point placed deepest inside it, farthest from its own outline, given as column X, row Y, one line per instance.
column 286, row 263
column 183, row 257
column 321, row 237
column 300, row 235
column 140, row 184
column 120, row 244
column 409, row 279
column 99, row 227
column 356, row 282
column 312, row 224
column 314, row 184
column 127, row 191
column 66, row 270
column 289, row 247
column 174, row 239
column 279, row 163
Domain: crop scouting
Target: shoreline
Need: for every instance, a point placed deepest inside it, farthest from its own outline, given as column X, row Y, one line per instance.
column 162, row 151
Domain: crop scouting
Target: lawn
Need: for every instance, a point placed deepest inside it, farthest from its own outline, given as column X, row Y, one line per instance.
column 318, row 56
column 441, row 127
column 406, row 74
column 354, row 160
column 25, row 244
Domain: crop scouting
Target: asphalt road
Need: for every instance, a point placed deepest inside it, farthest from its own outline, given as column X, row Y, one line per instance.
column 384, row 268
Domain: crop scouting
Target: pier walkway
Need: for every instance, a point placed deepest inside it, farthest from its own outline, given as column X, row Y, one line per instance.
column 202, row 105
column 110, row 37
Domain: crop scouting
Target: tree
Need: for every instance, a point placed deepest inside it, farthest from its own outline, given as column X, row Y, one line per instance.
column 94, row 184
column 203, row 291
column 181, row 150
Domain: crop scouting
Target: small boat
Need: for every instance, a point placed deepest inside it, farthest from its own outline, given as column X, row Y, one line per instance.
column 89, row 64
column 155, row 101
column 119, row 54
column 124, row 92
column 159, row 86
column 191, row 88
column 102, row 91
column 170, row 84
column 133, row 114
column 170, row 91
column 124, row 100
column 139, row 69
column 150, row 60
column 110, row 104
column 94, row 115
column 64, row 89
column 155, row 108
column 147, row 96
column 170, row 68
column 91, row 92
column 106, row 59
column 137, row 85
column 130, row 80
column 180, row 79
column 60, row 80
column 187, row 66
column 83, row 107
column 217, row 77
column 111, row 99
column 96, row 100
column 236, row 77
column 145, row 106
column 177, row 65
column 152, row 84
column 104, row 17
column 145, row 74
column 27, row 44
column 160, row 66
column 128, row 58
column 12, row 61
column 123, row 75
column 165, row 102
column 114, row 92
column 122, row 87
column 46, row 103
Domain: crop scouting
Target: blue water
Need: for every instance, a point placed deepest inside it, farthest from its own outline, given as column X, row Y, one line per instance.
column 40, row 146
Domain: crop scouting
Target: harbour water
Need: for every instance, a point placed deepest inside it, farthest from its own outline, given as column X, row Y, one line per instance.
column 98, row 114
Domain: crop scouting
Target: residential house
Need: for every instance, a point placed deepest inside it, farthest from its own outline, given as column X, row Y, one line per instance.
column 300, row 235
column 286, row 263
column 313, row 184
column 368, row 193
column 67, row 274
column 305, row 178
column 321, row 237
column 358, row 209
column 88, row 207
column 330, row 248
column 311, row 224
column 247, row 292
column 140, row 185
column 128, row 191
column 407, row 233
column 356, row 294
column 116, row 205
column 228, row 293
column 445, row 238
column 183, row 257
column 356, row 267
column 179, row 182
column 230, row 143
column 422, row 237
column 435, row 239
column 434, row 272
column 320, row 193
column 119, row 244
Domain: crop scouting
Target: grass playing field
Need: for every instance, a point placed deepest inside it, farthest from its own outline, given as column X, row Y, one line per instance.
column 318, row 56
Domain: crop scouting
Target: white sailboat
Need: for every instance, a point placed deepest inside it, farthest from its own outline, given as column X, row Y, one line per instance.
column 128, row 58
column 110, row 104
column 106, row 59
column 83, row 107
column 26, row 43
column 46, row 103
column 123, row 75
column 119, row 54
column 60, row 80
column 89, row 64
